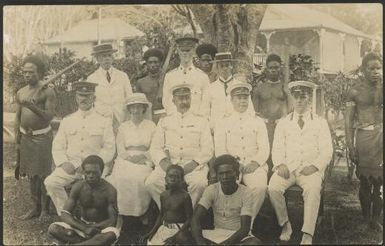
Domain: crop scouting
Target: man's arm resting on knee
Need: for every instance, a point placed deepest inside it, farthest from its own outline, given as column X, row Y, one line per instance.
column 69, row 206
column 196, row 228
column 239, row 234
column 112, row 211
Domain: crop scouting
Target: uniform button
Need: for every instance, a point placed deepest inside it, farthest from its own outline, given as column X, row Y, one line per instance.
column 83, row 127
column 241, row 128
column 181, row 137
column 242, row 137
column 243, row 147
column 181, row 148
column 81, row 151
column 82, row 139
column 181, row 127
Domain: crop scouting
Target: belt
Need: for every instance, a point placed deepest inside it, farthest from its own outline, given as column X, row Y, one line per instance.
column 35, row 132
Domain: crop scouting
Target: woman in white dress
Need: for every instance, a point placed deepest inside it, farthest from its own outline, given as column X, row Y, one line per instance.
column 133, row 163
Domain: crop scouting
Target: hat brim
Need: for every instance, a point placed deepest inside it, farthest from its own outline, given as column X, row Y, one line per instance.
column 85, row 93
column 178, row 40
column 104, row 51
column 144, row 103
column 225, row 60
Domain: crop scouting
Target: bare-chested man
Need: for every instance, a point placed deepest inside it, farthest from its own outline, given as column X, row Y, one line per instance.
column 97, row 198
column 34, row 111
column 172, row 225
column 364, row 136
column 270, row 98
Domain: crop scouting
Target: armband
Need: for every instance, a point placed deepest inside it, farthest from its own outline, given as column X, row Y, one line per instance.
column 350, row 104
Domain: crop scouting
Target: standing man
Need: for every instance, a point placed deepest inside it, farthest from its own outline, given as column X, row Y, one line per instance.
column 181, row 138
column 80, row 134
column 35, row 107
column 232, row 206
column 206, row 54
column 151, row 84
column 365, row 143
column 186, row 73
column 302, row 149
column 271, row 98
column 244, row 136
column 113, row 86
column 216, row 102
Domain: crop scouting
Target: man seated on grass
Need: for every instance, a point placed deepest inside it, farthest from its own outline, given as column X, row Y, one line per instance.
column 172, row 225
column 98, row 209
column 232, row 206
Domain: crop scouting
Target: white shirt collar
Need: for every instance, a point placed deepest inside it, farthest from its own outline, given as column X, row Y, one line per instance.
column 306, row 116
column 85, row 113
column 110, row 70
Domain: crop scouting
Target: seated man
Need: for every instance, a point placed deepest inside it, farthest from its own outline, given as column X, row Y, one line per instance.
column 232, row 206
column 97, row 198
column 302, row 149
column 173, row 222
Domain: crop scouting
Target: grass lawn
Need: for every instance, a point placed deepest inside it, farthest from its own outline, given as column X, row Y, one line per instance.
column 342, row 222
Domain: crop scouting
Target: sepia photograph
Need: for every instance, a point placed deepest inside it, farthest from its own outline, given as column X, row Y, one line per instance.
column 193, row 124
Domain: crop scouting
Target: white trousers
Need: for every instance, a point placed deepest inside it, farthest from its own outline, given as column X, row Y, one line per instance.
column 196, row 181
column 257, row 182
column 311, row 186
column 55, row 184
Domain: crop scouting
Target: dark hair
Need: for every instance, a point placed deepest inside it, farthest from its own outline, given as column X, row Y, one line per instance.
column 144, row 110
column 273, row 57
column 153, row 53
column 38, row 63
column 181, row 172
column 370, row 57
column 94, row 160
column 226, row 160
column 206, row 49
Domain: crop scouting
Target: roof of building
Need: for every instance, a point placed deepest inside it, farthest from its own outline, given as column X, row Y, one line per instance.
column 87, row 31
column 296, row 16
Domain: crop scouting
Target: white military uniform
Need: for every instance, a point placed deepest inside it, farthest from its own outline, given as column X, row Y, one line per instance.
column 111, row 96
column 193, row 76
column 182, row 138
column 245, row 136
column 80, row 134
column 297, row 148
column 217, row 104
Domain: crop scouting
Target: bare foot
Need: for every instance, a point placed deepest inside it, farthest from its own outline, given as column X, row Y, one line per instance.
column 44, row 216
column 30, row 214
column 307, row 239
column 286, row 232
column 376, row 226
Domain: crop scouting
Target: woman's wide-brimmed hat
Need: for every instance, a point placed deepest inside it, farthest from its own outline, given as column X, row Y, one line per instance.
column 137, row 98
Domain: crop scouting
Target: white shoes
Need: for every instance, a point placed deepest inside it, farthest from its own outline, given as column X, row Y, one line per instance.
column 307, row 239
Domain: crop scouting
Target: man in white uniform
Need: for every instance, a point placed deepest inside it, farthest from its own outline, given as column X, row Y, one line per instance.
column 186, row 73
column 80, row 134
column 245, row 136
column 181, row 138
column 216, row 101
column 113, row 86
column 302, row 149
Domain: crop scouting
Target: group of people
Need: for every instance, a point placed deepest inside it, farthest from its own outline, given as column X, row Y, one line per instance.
column 220, row 144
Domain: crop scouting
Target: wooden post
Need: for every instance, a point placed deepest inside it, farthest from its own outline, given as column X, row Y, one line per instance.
column 286, row 72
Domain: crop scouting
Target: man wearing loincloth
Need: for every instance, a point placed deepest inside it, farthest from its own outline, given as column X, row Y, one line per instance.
column 35, row 105
column 270, row 99
column 98, row 223
column 363, row 124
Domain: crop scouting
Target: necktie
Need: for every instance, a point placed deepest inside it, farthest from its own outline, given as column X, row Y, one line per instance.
column 108, row 77
column 225, row 82
column 300, row 121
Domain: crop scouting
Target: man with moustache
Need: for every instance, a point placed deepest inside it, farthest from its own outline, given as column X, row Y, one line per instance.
column 302, row 149
column 364, row 137
column 186, row 73
column 271, row 98
column 80, row 134
column 113, row 86
column 35, row 107
column 181, row 138
column 244, row 136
